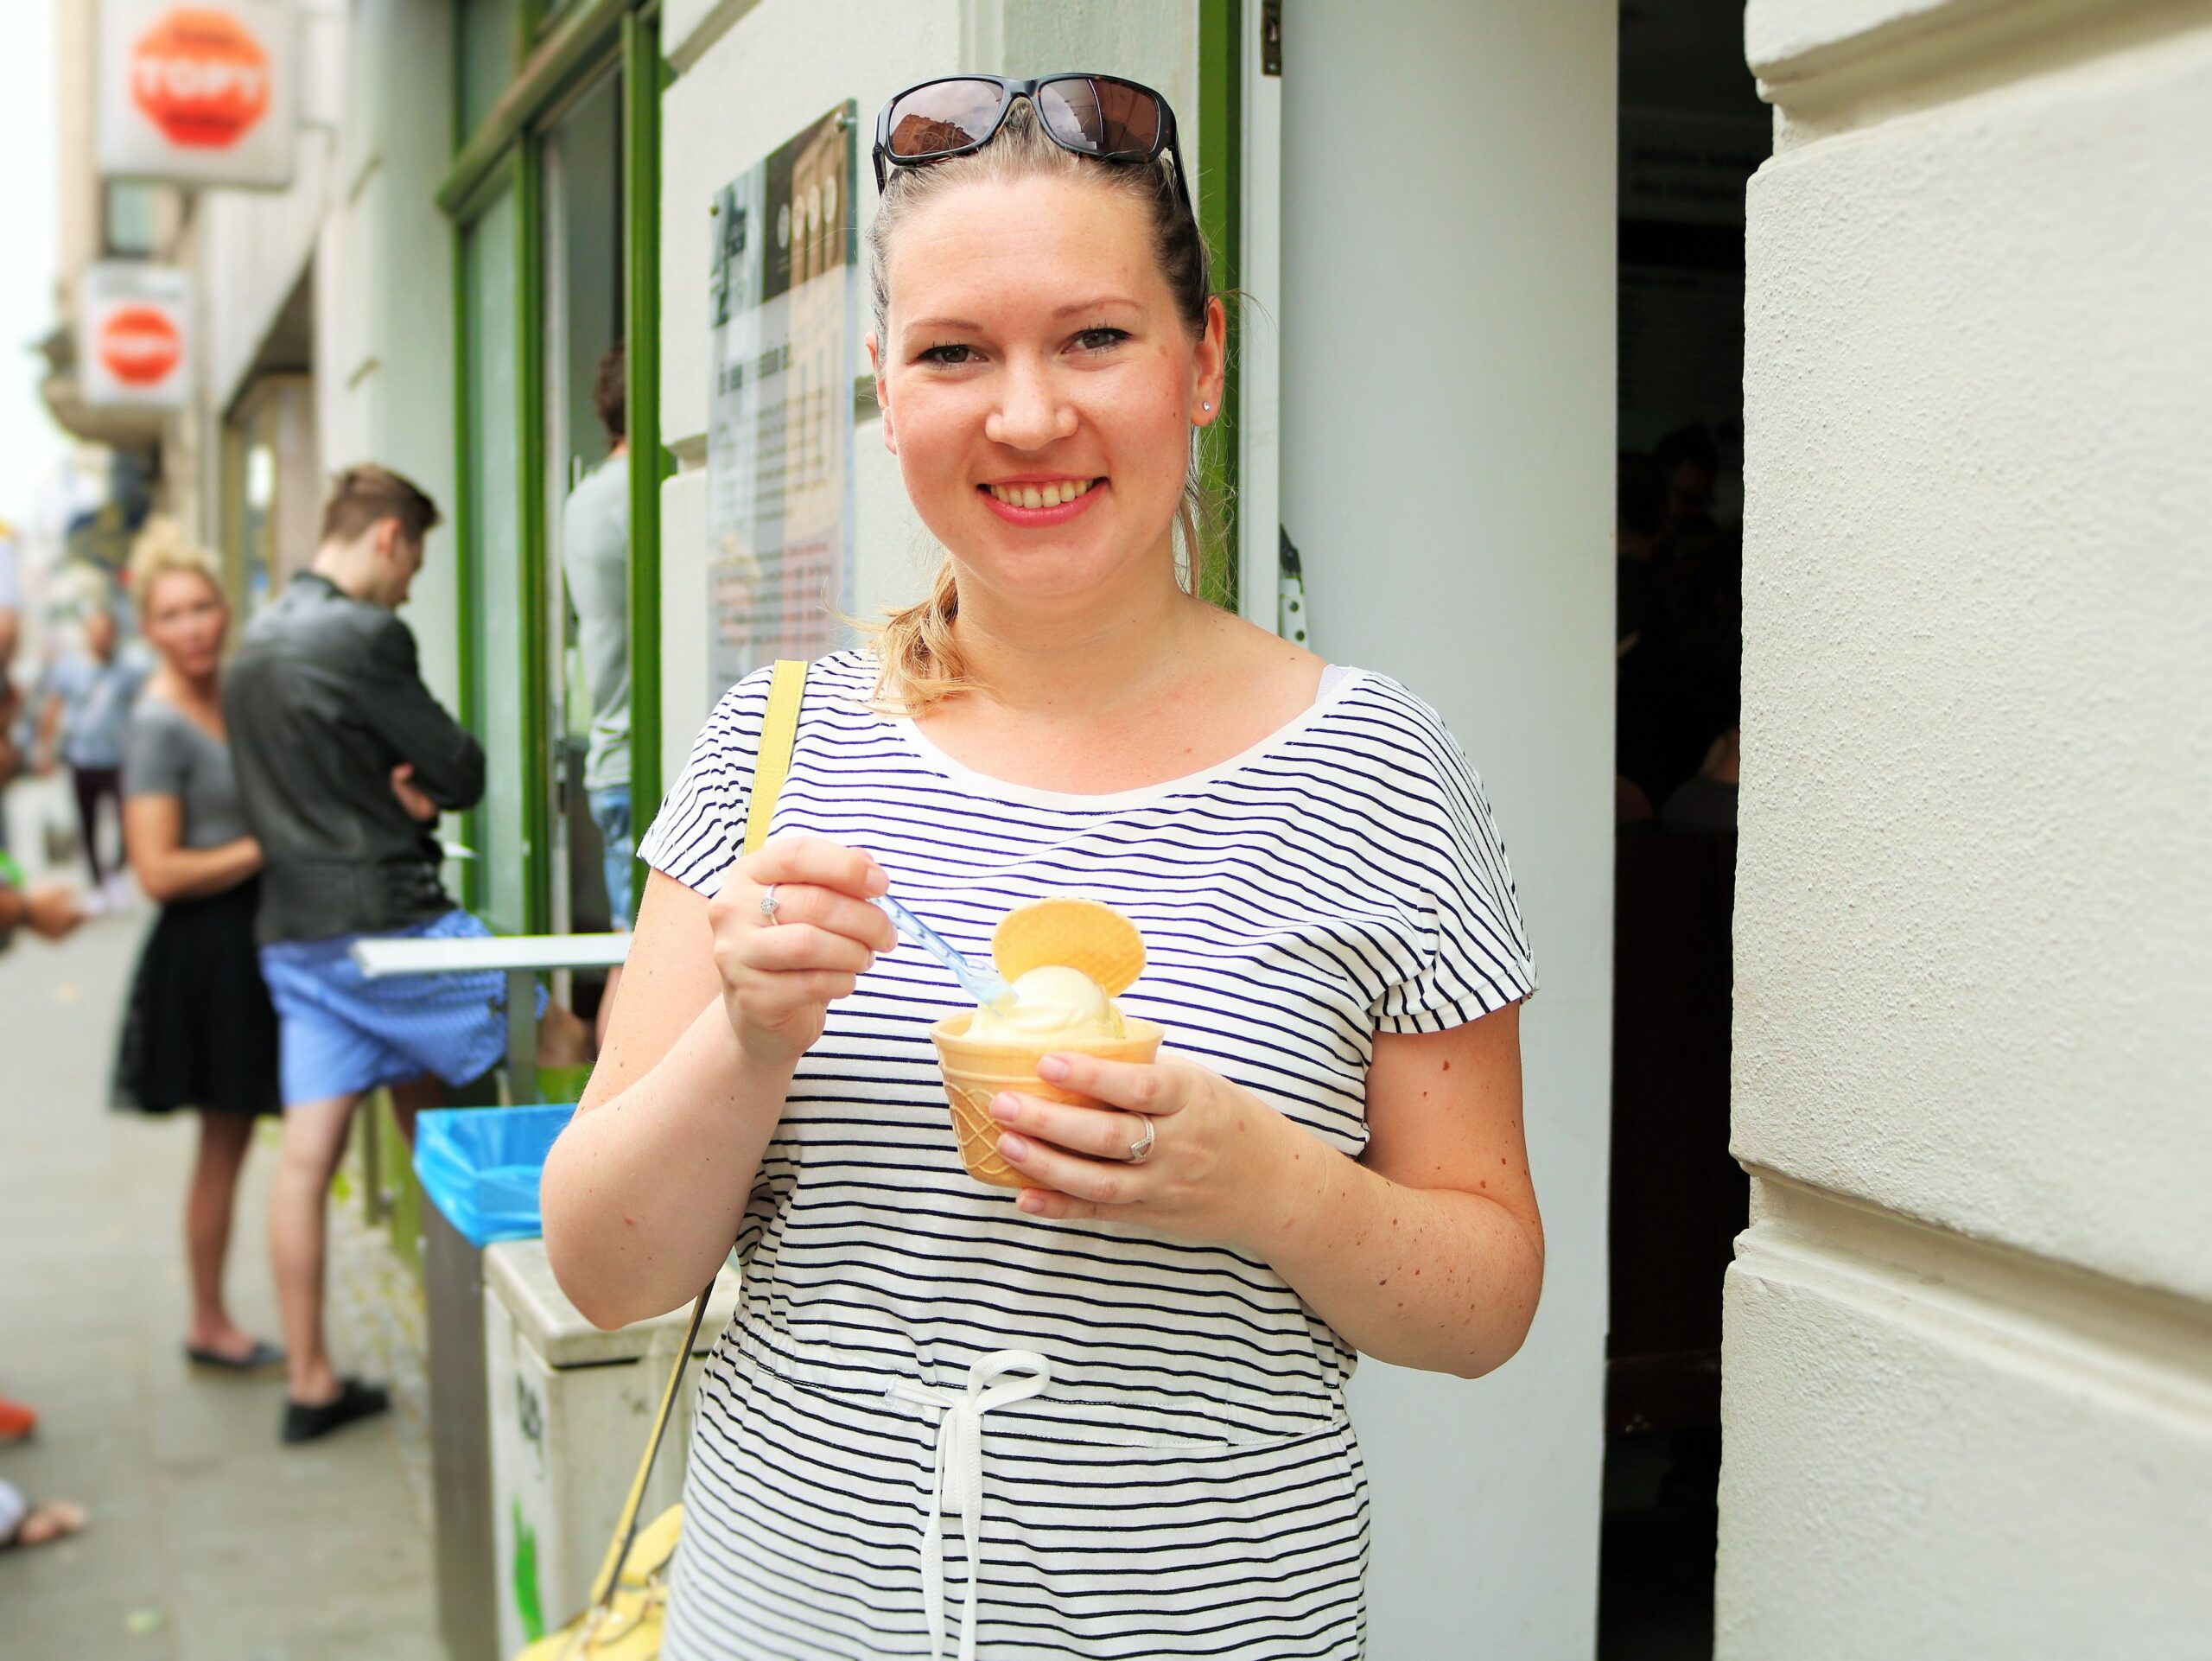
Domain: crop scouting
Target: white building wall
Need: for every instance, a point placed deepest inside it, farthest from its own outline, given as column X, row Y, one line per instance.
column 360, row 220
column 1447, row 341
column 1969, row 1332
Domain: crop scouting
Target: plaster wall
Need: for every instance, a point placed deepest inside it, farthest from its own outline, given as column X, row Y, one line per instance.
column 1975, row 926
column 1447, row 417
column 255, row 244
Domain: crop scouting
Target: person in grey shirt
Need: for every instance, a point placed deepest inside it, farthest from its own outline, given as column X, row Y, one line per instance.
column 596, row 558
column 200, row 1033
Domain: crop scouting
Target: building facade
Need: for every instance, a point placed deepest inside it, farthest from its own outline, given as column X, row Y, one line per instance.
column 1966, row 1345
column 1968, row 1353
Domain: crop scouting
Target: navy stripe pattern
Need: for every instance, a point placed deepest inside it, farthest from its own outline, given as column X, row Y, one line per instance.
column 1188, row 1484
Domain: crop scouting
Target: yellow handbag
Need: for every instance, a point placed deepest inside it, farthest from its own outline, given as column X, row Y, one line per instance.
column 629, row 1595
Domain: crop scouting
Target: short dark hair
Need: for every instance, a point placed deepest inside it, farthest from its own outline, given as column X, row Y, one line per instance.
column 1693, row 444
column 609, row 388
column 366, row 494
column 1640, row 494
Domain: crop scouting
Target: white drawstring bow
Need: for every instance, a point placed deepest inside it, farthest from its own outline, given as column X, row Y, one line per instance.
column 960, row 1476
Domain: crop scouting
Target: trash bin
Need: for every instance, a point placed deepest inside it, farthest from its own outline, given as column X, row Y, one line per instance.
column 571, row 1407
column 478, row 1168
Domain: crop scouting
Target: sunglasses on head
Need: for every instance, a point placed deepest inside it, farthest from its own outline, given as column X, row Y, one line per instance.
column 1103, row 116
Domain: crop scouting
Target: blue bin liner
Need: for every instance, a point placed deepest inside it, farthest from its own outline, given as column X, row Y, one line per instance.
column 479, row 1166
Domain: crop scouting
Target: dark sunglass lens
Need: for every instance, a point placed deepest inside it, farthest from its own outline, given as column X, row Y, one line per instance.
column 1101, row 115
column 945, row 115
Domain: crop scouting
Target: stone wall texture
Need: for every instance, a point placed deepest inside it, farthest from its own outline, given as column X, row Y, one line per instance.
column 1969, row 1345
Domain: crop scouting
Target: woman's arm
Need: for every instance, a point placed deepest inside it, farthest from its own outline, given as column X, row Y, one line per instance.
column 1428, row 1252
column 644, row 1192
column 153, row 836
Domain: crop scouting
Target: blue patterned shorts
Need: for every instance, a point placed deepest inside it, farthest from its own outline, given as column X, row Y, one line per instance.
column 340, row 1032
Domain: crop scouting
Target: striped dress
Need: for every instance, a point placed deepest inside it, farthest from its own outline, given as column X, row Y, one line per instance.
column 1184, row 1480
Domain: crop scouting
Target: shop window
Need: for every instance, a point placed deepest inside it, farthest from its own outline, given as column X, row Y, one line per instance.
column 128, row 216
column 271, row 487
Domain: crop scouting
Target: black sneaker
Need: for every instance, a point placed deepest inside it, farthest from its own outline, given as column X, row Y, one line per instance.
column 355, row 1400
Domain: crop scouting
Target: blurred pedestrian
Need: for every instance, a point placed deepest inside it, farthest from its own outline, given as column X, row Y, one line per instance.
column 1690, row 462
column 50, row 910
column 87, row 712
column 343, row 761
column 24, row 1521
column 27, row 1521
column 596, row 558
column 200, row 1032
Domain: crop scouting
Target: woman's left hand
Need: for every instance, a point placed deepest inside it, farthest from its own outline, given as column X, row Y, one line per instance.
column 1221, row 1167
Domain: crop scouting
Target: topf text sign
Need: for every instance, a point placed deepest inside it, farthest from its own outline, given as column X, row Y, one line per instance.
column 197, row 91
column 136, row 346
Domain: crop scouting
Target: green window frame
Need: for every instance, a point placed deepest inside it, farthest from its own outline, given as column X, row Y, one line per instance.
column 559, row 47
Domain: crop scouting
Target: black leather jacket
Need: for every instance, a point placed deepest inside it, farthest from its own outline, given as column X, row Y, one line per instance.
column 323, row 700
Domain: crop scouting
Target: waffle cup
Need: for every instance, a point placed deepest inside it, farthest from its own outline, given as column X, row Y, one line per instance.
column 1073, row 932
column 974, row 1072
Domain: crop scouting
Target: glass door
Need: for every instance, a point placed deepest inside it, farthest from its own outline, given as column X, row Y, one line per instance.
column 502, row 834
column 581, row 159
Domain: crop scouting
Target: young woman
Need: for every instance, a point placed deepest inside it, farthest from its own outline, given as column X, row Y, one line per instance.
column 200, row 1032
column 1332, row 1159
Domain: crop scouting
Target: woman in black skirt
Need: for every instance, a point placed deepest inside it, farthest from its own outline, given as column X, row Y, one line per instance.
column 200, row 1032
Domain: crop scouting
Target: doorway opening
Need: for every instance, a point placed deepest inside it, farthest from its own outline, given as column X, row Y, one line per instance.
column 1692, row 130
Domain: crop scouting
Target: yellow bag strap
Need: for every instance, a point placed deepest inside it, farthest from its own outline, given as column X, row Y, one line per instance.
column 778, row 733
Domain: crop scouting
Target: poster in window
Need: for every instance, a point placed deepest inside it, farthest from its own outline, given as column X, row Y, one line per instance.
column 783, row 292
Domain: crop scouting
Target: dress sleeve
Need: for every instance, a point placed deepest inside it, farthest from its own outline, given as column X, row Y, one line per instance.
column 1476, row 957
column 154, row 759
column 700, row 829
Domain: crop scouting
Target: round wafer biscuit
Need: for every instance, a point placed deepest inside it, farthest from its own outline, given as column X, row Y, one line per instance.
column 1085, row 934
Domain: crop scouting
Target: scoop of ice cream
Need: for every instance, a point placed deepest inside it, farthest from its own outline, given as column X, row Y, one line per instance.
column 1051, row 1005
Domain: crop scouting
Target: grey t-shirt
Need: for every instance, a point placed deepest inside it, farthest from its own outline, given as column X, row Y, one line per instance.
column 171, row 755
column 595, row 557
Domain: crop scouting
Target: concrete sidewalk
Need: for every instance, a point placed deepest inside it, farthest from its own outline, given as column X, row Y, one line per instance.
column 209, row 1542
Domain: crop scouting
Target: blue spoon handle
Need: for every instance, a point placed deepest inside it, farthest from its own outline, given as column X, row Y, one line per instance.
column 984, row 988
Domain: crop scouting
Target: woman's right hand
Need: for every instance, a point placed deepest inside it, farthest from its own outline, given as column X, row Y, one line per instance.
column 779, row 978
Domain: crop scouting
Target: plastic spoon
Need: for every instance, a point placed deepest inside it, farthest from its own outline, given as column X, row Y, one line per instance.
column 987, row 989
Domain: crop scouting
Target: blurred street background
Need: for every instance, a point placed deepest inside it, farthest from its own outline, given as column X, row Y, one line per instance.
column 209, row 1541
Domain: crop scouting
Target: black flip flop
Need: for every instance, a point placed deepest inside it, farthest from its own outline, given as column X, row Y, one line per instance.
column 355, row 1400
column 261, row 1356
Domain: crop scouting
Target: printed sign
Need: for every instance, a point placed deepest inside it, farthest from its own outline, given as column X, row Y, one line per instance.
column 199, row 93
column 784, row 289
column 135, row 345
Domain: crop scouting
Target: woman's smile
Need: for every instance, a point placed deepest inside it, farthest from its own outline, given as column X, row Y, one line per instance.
column 1036, row 501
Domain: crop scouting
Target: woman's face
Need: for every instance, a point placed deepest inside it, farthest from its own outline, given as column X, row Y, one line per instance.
column 1039, row 387
column 185, row 619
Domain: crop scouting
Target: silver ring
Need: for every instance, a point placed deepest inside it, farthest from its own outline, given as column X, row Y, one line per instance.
column 768, row 904
column 1141, row 1150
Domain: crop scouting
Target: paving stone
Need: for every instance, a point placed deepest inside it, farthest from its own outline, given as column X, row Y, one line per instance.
column 224, row 1544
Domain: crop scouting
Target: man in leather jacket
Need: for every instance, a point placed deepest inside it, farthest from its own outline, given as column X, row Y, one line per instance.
column 343, row 761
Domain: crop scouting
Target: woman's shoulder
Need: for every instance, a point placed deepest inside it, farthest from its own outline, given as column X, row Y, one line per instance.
column 153, row 716
column 841, row 679
column 1385, row 706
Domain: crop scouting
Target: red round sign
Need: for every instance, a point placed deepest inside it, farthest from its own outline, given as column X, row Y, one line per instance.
column 200, row 77
column 139, row 345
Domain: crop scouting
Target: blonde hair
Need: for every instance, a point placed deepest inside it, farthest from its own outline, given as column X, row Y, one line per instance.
column 163, row 549
column 917, row 662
